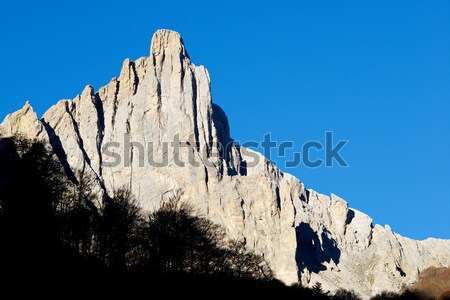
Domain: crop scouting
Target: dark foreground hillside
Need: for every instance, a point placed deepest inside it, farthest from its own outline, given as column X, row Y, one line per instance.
column 57, row 240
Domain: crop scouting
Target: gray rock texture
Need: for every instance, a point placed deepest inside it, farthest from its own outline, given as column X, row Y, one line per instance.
column 164, row 100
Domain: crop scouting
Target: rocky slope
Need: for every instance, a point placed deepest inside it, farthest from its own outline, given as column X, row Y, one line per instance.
column 156, row 100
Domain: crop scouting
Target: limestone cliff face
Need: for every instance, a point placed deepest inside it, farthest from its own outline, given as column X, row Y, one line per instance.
column 24, row 122
column 121, row 134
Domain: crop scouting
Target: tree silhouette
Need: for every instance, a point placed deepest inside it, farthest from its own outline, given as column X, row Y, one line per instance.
column 342, row 294
column 317, row 289
column 32, row 183
column 178, row 241
column 406, row 295
column 245, row 264
column 181, row 241
column 78, row 217
column 119, row 221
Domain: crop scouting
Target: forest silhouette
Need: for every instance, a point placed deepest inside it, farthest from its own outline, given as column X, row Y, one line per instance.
column 56, row 236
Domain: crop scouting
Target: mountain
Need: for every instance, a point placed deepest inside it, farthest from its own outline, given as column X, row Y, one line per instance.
column 138, row 130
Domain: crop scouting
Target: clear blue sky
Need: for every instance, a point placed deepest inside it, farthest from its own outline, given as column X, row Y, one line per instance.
column 374, row 72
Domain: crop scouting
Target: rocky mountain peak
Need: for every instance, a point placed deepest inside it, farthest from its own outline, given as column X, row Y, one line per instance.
column 167, row 43
column 23, row 122
column 121, row 136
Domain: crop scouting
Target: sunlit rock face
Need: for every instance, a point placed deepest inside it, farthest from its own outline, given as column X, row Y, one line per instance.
column 135, row 131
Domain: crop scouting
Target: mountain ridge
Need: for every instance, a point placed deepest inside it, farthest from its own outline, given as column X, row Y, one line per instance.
column 305, row 236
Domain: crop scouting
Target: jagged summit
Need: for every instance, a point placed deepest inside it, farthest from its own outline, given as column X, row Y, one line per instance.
column 167, row 42
column 23, row 122
column 121, row 137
